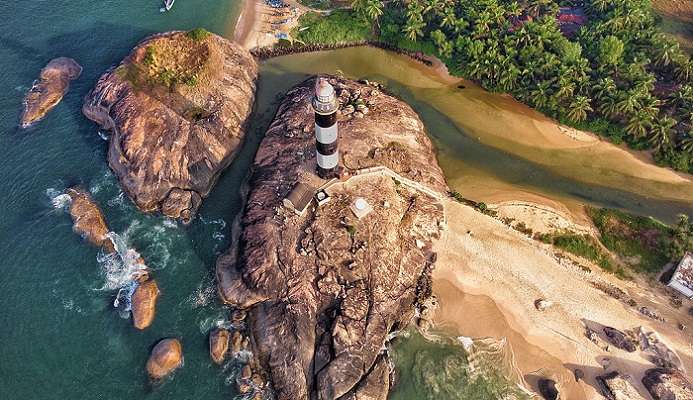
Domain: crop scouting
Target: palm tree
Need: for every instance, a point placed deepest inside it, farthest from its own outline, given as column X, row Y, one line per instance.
column 639, row 123
column 578, row 108
column 373, row 9
column 600, row 5
column 609, row 107
column 660, row 134
column 604, row 87
column 629, row 103
column 687, row 143
column 684, row 69
column 665, row 51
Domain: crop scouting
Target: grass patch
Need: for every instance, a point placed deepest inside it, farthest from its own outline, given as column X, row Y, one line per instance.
column 586, row 247
column 198, row 34
column 340, row 26
column 640, row 242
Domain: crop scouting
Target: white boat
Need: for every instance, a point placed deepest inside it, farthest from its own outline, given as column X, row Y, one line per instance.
column 168, row 4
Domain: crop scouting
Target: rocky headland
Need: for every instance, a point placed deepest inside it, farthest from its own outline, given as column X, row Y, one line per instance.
column 325, row 289
column 46, row 93
column 176, row 108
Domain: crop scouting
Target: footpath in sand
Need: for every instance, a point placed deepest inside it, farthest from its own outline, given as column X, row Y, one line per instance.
column 487, row 279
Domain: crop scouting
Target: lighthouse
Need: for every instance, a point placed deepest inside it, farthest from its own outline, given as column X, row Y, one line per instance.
column 325, row 107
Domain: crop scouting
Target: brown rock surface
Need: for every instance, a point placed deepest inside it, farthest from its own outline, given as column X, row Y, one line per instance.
column 88, row 220
column 667, row 384
column 218, row 344
column 46, row 93
column 165, row 357
column 176, row 108
column 615, row 386
column 144, row 304
column 323, row 290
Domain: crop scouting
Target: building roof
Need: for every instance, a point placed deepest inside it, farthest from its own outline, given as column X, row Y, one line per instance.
column 684, row 271
column 300, row 197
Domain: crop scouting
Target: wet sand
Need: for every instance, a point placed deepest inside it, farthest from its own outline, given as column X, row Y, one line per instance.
column 505, row 273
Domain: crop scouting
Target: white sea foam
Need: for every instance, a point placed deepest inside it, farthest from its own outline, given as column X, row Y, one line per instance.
column 59, row 199
column 103, row 135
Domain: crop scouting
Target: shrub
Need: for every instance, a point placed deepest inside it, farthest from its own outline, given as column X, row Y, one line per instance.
column 340, row 26
column 198, row 34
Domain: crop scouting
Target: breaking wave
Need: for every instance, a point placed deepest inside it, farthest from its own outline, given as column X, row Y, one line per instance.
column 444, row 368
column 58, row 198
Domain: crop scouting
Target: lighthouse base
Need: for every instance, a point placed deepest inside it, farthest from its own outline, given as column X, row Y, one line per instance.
column 329, row 173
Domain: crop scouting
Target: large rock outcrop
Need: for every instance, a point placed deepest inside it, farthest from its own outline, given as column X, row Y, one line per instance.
column 176, row 108
column 144, row 303
column 46, row 93
column 667, row 384
column 166, row 356
column 324, row 289
column 88, row 220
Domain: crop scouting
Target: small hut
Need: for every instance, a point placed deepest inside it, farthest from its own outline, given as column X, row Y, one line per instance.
column 682, row 279
column 299, row 198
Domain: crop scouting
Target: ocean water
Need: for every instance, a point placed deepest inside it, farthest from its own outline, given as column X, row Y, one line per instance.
column 60, row 336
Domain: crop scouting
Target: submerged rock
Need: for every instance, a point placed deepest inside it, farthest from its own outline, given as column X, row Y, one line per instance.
column 218, row 344
column 165, row 357
column 615, row 386
column 323, row 290
column 88, row 220
column 176, row 108
column 144, row 304
column 53, row 83
column 667, row 384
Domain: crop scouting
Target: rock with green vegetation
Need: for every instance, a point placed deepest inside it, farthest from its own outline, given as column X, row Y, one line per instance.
column 176, row 108
column 46, row 93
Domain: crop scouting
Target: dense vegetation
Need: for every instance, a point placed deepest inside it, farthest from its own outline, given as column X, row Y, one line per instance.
column 642, row 243
column 617, row 75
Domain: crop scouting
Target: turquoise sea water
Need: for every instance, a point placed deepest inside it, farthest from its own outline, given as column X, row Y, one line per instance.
column 59, row 334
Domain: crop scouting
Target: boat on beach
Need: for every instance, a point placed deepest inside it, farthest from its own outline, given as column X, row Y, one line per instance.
column 168, row 4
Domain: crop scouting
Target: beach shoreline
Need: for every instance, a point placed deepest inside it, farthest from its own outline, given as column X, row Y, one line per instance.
column 488, row 277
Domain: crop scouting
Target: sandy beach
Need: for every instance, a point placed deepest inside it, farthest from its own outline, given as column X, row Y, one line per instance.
column 488, row 277
column 259, row 23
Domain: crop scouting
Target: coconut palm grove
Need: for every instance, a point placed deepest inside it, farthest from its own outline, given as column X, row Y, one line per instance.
column 598, row 65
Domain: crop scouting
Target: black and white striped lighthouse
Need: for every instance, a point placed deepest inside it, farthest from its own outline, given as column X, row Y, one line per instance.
column 326, row 135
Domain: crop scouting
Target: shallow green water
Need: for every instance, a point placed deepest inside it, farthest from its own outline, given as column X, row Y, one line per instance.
column 59, row 334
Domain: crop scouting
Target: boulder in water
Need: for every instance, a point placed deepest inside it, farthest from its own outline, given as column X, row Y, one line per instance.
column 165, row 357
column 144, row 304
column 619, row 339
column 548, row 389
column 218, row 344
column 88, row 220
column 667, row 384
column 53, row 83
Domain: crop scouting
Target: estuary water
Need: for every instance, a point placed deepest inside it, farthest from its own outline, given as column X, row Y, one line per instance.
column 59, row 334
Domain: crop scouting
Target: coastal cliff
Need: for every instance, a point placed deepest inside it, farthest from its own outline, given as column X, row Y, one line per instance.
column 176, row 108
column 325, row 289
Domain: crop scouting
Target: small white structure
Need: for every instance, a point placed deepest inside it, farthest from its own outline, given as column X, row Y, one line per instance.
column 682, row 279
column 360, row 207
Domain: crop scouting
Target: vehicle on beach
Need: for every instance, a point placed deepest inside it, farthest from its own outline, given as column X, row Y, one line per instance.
column 168, row 5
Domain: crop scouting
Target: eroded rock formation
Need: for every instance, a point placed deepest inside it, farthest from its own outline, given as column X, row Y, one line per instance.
column 46, row 93
column 144, row 303
column 615, row 386
column 166, row 356
column 323, row 290
column 218, row 344
column 88, row 220
column 667, row 384
column 176, row 108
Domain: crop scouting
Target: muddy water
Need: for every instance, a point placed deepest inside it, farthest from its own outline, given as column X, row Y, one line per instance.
column 493, row 148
